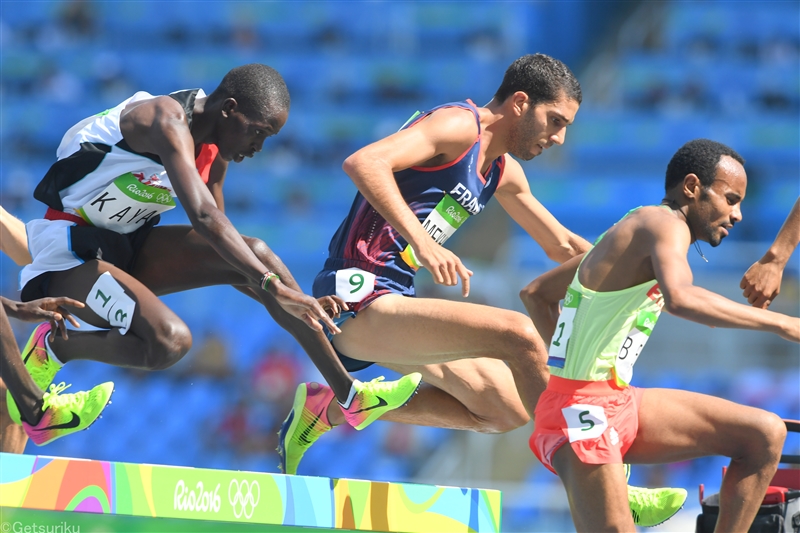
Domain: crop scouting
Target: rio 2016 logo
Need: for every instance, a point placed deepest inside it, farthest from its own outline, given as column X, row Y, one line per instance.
column 198, row 499
column 243, row 497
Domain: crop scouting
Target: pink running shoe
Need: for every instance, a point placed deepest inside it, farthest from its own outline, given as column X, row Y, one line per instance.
column 307, row 421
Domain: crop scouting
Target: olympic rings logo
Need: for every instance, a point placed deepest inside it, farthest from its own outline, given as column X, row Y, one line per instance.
column 244, row 498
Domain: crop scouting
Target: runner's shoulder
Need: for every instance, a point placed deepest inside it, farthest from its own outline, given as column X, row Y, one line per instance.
column 661, row 223
column 457, row 124
column 153, row 111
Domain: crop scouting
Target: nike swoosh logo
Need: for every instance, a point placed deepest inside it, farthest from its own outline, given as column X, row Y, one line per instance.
column 304, row 435
column 381, row 403
column 75, row 422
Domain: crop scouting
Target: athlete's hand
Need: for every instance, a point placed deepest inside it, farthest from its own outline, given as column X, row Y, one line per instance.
column 762, row 283
column 51, row 309
column 444, row 266
column 302, row 306
column 333, row 305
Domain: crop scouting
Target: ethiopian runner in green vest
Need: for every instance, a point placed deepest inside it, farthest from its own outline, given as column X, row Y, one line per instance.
column 591, row 419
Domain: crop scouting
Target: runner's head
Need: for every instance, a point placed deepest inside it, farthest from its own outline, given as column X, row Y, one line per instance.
column 709, row 177
column 254, row 104
column 542, row 95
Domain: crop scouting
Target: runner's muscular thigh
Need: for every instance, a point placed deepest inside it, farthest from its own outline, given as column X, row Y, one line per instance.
column 177, row 258
column 677, row 425
column 401, row 330
column 77, row 282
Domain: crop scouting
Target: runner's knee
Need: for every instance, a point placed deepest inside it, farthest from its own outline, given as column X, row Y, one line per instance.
column 173, row 340
column 262, row 251
column 501, row 422
column 501, row 417
column 765, row 439
column 522, row 340
column 773, row 433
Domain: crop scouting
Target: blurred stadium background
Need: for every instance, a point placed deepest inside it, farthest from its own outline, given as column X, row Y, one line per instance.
column 654, row 75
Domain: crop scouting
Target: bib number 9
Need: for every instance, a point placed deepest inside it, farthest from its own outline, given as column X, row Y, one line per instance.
column 357, row 281
column 354, row 284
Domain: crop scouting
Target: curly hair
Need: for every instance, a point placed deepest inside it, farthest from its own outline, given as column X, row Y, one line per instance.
column 699, row 157
column 259, row 90
column 542, row 78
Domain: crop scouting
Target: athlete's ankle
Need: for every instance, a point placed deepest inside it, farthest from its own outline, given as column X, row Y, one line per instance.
column 32, row 414
column 334, row 413
column 350, row 396
column 50, row 352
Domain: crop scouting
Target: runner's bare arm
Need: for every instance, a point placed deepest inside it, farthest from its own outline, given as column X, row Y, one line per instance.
column 670, row 244
column 514, row 194
column 762, row 281
column 541, row 296
column 13, row 238
column 438, row 139
column 216, row 178
column 159, row 126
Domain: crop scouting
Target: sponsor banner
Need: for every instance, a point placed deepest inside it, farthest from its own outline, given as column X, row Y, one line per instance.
column 59, row 484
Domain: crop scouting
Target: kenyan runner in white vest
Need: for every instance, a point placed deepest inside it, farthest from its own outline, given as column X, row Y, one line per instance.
column 116, row 173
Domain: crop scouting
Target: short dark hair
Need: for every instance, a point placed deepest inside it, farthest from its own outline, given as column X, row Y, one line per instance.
column 542, row 78
column 700, row 157
column 259, row 90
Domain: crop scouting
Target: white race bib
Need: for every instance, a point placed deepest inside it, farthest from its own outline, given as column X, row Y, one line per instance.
column 441, row 223
column 126, row 205
column 107, row 298
column 354, row 284
column 633, row 344
column 558, row 345
column 584, row 421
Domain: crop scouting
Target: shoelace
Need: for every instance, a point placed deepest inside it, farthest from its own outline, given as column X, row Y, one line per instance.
column 643, row 497
column 53, row 399
column 372, row 381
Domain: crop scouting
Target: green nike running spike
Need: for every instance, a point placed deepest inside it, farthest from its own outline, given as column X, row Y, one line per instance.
column 651, row 507
column 68, row 413
column 376, row 397
column 305, row 423
column 39, row 365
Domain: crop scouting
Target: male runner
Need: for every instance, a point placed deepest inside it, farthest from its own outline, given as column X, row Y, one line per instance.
column 46, row 416
column 762, row 281
column 99, row 243
column 616, row 294
column 484, row 367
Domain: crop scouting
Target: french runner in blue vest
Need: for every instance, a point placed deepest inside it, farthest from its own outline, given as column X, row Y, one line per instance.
column 484, row 368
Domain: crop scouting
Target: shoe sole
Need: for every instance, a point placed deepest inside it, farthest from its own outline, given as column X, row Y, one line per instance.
column 289, row 425
column 108, row 401
column 666, row 519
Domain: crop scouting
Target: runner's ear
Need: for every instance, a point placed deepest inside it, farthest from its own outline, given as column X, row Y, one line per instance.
column 691, row 186
column 229, row 106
